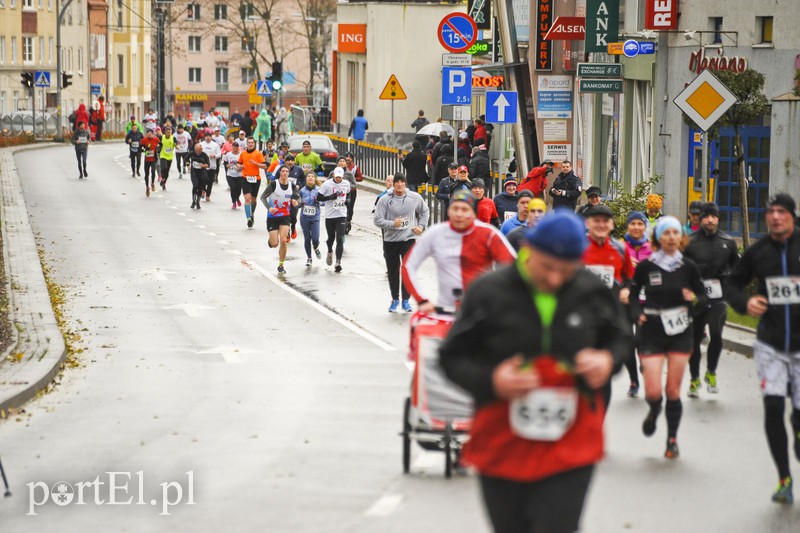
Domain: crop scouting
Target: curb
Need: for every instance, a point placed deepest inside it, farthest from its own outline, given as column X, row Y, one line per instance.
column 31, row 313
column 739, row 339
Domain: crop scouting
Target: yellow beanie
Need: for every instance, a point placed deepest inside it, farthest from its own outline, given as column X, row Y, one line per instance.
column 653, row 201
column 537, row 203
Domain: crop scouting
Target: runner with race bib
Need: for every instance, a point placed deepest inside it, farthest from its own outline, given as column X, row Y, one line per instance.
column 533, row 343
column 608, row 259
column 774, row 262
column 715, row 253
column 673, row 285
column 334, row 193
column 309, row 216
column 279, row 197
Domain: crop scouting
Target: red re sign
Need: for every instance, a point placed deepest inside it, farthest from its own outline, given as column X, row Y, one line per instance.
column 661, row 15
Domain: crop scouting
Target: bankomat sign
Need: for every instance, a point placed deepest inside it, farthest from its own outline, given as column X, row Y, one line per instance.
column 661, row 15
column 352, row 38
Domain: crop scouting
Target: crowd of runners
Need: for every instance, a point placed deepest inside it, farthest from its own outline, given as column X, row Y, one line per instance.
column 546, row 288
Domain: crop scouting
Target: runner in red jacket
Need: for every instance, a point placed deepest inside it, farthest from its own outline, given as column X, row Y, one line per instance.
column 536, row 180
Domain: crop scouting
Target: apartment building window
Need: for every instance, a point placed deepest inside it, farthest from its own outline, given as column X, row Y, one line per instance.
column 194, row 43
column 2, row 3
column 120, row 70
column 763, row 30
column 194, row 75
column 134, row 70
column 222, row 78
column 50, row 51
column 41, row 50
column 247, row 11
column 41, row 4
column 28, row 56
column 13, row 50
column 79, row 8
column 49, row 5
column 248, row 75
column 220, row 11
column 247, row 45
column 12, row 4
column 16, row 101
column 221, row 44
column 715, row 25
column 28, row 4
column 119, row 14
column 80, row 61
column 2, row 50
column 2, row 102
column 193, row 11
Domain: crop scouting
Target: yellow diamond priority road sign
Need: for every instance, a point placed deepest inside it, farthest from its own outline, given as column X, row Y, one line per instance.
column 705, row 100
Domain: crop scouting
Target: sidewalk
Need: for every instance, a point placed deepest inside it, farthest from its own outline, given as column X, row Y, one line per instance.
column 38, row 338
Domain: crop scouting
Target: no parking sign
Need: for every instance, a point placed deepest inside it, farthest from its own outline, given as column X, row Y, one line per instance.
column 457, row 32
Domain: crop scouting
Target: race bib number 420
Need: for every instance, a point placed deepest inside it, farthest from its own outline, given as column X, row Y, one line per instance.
column 544, row 414
column 783, row 290
column 604, row 272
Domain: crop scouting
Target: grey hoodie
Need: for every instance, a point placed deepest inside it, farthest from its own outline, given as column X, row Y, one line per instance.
column 410, row 207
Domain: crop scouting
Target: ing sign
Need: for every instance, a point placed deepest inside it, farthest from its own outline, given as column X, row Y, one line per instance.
column 352, row 38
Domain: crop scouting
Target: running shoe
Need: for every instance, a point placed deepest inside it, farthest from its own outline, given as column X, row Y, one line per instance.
column 85, row 174
column 406, row 306
column 238, row 203
column 308, row 262
column 192, row 206
column 329, row 259
column 294, row 234
column 147, row 192
column 197, row 205
column 233, row 206
column 783, row 494
column 281, row 270
column 393, row 306
column 672, row 449
column 133, row 175
column 318, row 253
column 250, row 222
column 154, row 188
column 338, row 267
column 711, row 382
column 633, row 390
column 694, row 388
column 649, row 424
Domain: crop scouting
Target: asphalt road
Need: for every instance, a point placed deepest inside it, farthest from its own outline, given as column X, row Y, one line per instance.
column 284, row 397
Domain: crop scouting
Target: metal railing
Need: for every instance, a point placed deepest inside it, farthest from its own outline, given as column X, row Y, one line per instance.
column 47, row 125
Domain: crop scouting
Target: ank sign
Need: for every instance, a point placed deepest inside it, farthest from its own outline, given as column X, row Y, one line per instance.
column 661, row 15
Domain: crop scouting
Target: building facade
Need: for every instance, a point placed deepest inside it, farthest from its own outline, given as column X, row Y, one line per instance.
column 212, row 46
column 129, row 64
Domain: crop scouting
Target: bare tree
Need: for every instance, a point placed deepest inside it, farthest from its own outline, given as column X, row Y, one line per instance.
column 317, row 17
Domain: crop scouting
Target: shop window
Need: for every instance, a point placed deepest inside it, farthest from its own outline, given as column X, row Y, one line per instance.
column 763, row 30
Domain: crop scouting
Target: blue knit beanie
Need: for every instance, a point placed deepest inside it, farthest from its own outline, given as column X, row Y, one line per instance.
column 561, row 234
column 636, row 215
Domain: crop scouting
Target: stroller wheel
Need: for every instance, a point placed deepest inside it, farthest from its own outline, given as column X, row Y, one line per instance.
column 406, row 437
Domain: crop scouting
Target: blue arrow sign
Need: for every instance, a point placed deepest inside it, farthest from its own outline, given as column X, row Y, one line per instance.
column 41, row 78
column 456, row 86
column 262, row 88
column 501, row 107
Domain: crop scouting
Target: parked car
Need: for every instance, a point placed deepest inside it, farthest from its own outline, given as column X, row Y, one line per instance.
column 320, row 144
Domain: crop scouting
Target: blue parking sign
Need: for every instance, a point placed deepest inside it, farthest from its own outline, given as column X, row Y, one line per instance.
column 456, row 86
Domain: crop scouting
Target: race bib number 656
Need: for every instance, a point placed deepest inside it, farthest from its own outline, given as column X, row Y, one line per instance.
column 782, row 290
column 544, row 414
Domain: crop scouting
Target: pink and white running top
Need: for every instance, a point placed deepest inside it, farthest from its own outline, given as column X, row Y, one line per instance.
column 460, row 256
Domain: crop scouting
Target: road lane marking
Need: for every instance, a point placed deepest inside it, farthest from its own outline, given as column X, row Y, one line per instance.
column 194, row 311
column 321, row 308
column 223, row 242
column 426, row 460
column 212, row 234
column 385, row 505
column 235, row 252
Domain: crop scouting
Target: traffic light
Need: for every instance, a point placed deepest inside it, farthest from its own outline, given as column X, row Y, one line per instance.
column 66, row 80
column 27, row 79
column 276, row 79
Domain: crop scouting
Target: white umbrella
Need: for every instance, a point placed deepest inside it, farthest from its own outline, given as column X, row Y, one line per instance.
column 436, row 128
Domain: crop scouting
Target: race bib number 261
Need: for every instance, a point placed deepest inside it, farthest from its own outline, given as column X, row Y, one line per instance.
column 783, row 290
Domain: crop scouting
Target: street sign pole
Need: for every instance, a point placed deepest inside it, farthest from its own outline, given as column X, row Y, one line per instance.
column 59, row 112
column 704, row 138
column 392, row 120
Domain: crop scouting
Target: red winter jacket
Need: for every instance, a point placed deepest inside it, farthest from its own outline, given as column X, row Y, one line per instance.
column 535, row 181
column 81, row 115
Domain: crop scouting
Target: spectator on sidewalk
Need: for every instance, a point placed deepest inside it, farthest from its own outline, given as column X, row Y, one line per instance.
column 420, row 122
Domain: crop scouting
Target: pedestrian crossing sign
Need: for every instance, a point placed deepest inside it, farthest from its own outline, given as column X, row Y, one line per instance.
column 42, row 79
column 263, row 88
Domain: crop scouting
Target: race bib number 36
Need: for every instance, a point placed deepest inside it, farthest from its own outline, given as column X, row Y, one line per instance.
column 604, row 272
column 783, row 290
column 545, row 414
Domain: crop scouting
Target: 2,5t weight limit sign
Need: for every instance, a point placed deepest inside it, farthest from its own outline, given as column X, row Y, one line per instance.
column 457, row 32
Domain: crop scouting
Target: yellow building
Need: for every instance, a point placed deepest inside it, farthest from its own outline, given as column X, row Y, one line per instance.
column 27, row 43
column 129, row 66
